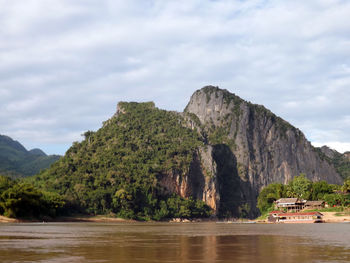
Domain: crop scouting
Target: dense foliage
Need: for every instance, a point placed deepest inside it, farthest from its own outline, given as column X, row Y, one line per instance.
column 303, row 188
column 22, row 200
column 341, row 163
column 117, row 168
column 16, row 161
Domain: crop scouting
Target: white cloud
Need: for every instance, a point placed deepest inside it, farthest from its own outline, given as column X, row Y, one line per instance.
column 67, row 63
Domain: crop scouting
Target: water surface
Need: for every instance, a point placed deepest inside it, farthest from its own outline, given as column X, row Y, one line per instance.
column 174, row 242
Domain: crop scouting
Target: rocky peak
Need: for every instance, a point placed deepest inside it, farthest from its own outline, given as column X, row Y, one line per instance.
column 265, row 148
column 330, row 153
column 123, row 107
column 211, row 102
column 120, row 108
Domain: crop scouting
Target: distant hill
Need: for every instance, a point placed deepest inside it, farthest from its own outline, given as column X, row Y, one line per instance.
column 16, row 161
column 340, row 161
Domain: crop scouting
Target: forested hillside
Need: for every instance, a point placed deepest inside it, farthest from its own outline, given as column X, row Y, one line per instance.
column 117, row 168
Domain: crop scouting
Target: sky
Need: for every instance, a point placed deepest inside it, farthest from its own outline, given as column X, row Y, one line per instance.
column 65, row 64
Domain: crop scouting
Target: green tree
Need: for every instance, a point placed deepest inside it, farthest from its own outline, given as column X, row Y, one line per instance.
column 5, row 183
column 21, row 200
column 337, row 199
column 299, row 187
column 319, row 189
column 269, row 194
column 346, row 186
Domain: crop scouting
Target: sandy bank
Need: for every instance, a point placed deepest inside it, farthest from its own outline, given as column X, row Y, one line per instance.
column 4, row 219
column 331, row 217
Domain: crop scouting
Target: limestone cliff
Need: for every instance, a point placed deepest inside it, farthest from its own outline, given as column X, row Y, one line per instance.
column 251, row 148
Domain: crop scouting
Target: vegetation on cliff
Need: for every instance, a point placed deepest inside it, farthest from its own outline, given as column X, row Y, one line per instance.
column 341, row 164
column 116, row 168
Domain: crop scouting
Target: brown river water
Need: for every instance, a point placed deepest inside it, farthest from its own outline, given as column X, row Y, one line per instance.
column 174, row 242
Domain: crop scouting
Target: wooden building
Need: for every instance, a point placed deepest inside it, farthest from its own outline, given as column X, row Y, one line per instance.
column 290, row 204
column 314, row 204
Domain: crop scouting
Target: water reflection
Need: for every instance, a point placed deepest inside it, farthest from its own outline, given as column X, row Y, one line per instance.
column 201, row 242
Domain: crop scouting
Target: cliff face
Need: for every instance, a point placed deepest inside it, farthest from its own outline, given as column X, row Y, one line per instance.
column 253, row 148
column 200, row 182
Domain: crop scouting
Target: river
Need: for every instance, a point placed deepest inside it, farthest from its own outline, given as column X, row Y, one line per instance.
column 174, row 242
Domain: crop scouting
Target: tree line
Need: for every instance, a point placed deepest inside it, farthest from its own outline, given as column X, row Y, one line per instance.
column 301, row 187
column 22, row 200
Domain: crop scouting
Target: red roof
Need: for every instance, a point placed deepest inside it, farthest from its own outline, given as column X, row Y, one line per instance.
column 300, row 214
column 275, row 212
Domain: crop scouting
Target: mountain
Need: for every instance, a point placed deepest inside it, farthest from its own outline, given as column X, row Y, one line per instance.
column 121, row 168
column 340, row 161
column 262, row 147
column 16, row 161
column 37, row 152
column 150, row 163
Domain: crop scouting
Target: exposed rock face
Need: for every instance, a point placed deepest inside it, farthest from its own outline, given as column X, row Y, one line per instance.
column 200, row 182
column 347, row 156
column 330, row 153
column 250, row 148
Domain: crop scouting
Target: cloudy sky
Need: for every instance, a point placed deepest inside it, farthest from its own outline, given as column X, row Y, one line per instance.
column 65, row 64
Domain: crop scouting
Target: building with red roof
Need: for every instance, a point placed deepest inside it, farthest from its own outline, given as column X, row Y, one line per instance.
column 307, row 217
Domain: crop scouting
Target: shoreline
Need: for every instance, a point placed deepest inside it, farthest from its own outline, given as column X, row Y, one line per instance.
column 329, row 217
column 67, row 219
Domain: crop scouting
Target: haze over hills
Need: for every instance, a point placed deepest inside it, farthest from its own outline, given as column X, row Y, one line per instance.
column 146, row 162
column 16, row 161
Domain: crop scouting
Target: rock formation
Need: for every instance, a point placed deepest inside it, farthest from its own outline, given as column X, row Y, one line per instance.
column 221, row 150
column 250, row 148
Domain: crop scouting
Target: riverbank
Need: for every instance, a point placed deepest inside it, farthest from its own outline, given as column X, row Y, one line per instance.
column 77, row 218
column 336, row 217
column 4, row 219
column 328, row 217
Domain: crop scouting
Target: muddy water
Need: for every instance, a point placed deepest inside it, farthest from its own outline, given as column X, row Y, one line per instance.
column 174, row 242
